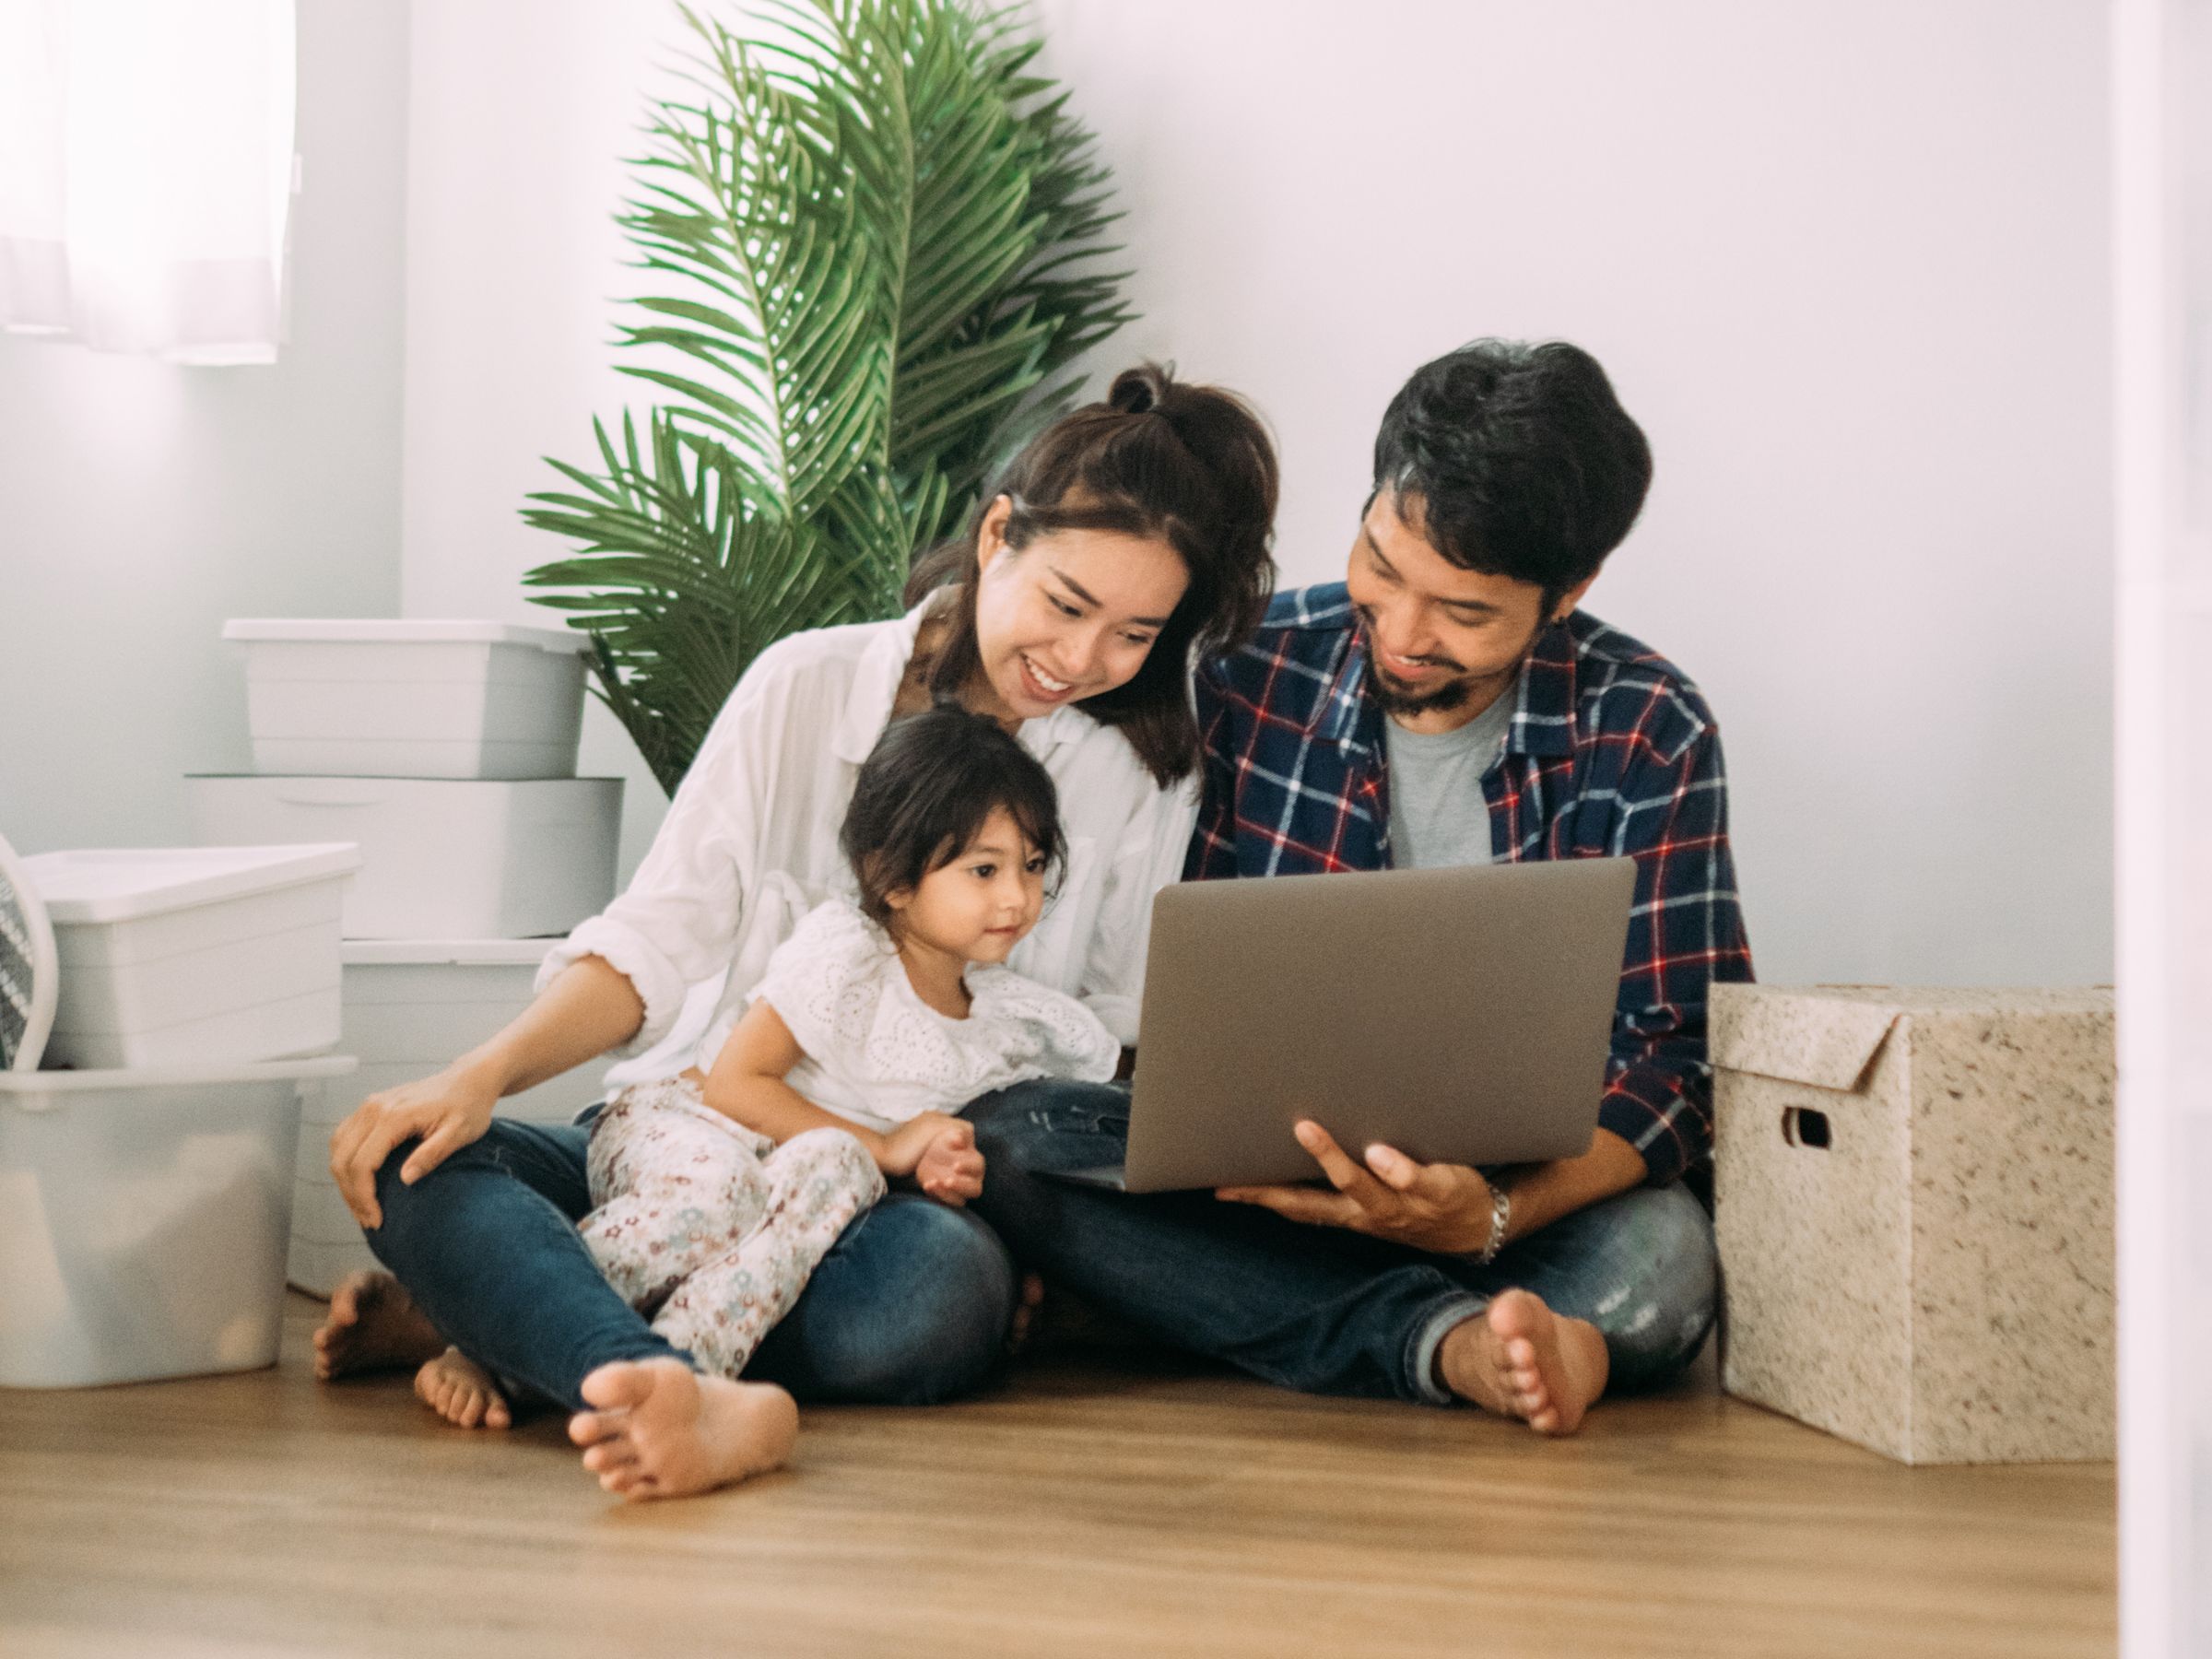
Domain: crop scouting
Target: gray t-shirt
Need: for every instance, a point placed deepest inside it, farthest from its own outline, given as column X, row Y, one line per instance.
column 1438, row 815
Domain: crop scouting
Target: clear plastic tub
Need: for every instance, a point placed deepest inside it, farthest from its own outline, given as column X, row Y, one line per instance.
column 144, row 1218
column 440, row 858
column 412, row 698
column 194, row 956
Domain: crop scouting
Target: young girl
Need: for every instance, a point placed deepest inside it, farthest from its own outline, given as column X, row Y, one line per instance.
column 876, row 1020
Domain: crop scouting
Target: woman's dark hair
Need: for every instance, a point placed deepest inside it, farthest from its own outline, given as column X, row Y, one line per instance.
column 923, row 793
column 1189, row 465
column 1519, row 460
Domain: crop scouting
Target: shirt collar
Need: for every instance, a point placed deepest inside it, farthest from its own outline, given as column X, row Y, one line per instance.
column 1542, row 723
column 876, row 687
column 875, row 691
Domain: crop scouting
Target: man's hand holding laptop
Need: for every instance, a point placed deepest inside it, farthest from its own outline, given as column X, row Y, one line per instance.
column 1443, row 1208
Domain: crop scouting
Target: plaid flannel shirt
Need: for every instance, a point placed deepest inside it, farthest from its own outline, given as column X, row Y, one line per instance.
column 1611, row 751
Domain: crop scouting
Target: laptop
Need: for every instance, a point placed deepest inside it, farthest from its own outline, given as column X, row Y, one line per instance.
column 1462, row 1016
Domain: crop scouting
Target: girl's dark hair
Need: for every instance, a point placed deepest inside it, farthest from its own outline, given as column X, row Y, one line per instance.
column 923, row 793
column 1189, row 465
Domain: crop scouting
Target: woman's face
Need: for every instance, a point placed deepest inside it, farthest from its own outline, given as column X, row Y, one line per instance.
column 1073, row 613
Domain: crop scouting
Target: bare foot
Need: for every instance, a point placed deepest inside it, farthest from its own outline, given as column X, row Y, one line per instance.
column 1519, row 1358
column 461, row 1391
column 1027, row 1311
column 663, row 1431
column 372, row 1326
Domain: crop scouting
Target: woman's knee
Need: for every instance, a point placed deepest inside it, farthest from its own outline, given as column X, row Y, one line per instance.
column 944, row 1301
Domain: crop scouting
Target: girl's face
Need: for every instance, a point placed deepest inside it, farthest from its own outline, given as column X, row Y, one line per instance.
column 1071, row 614
column 981, row 904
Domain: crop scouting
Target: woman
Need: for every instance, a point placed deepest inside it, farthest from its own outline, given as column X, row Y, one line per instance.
column 1129, row 535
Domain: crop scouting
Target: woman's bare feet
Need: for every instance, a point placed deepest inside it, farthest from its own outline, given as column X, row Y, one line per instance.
column 461, row 1391
column 372, row 1326
column 663, row 1431
column 1519, row 1358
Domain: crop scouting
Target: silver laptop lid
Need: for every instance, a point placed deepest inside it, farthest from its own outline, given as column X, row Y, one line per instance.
column 1460, row 1014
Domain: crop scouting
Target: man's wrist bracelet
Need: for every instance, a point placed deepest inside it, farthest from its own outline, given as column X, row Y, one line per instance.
column 1501, row 1213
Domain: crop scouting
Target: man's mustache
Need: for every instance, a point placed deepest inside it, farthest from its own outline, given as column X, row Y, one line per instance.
column 1367, row 622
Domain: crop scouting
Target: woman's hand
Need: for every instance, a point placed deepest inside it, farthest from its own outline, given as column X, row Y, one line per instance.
column 447, row 1112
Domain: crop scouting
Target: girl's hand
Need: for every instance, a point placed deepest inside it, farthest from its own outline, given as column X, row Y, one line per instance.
column 903, row 1147
column 951, row 1170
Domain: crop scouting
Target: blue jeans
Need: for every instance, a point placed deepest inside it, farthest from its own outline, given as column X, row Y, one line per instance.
column 1315, row 1308
column 910, row 1306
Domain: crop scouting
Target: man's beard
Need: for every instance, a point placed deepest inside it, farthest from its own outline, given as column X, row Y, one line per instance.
column 1392, row 701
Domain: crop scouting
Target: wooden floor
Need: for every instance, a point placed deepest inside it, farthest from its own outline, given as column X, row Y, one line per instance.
column 1096, row 1506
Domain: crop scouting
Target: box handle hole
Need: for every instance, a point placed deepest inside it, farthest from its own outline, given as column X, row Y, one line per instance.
column 1802, row 1126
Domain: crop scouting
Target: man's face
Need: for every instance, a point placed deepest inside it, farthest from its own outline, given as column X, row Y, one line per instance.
column 1444, row 641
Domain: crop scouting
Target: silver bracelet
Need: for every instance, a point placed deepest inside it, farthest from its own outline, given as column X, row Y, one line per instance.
column 1502, row 1212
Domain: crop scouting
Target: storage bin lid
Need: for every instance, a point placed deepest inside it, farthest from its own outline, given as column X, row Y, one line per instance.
column 42, row 1090
column 465, row 953
column 1828, row 1036
column 128, row 884
column 396, row 630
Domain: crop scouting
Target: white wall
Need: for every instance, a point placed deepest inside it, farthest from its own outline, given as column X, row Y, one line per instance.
column 141, row 503
column 1845, row 261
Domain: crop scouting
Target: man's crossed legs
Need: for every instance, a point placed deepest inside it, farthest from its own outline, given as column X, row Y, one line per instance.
column 1616, row 1298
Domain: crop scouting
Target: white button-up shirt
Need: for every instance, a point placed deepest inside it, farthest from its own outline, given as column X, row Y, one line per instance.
column 750, row 845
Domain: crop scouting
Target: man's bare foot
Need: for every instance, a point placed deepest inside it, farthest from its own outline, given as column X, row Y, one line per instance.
column 663, row 1431
column 461, row 1391
column 1519, row 1358
column 373, row 1325
column 1028, row 1307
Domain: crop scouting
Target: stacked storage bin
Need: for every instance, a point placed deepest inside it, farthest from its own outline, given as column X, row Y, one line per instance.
column 146, row 1172
column 447, row 751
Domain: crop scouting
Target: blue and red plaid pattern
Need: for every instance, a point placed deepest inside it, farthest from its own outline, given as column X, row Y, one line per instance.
column 1611, row 751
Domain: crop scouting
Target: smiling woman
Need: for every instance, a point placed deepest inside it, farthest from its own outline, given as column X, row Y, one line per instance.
column 1126, row 534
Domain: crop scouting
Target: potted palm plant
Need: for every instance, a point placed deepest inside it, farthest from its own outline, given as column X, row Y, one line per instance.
column 878, row 241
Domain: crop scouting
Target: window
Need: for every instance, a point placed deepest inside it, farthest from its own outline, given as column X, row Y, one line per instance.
column 147, row 175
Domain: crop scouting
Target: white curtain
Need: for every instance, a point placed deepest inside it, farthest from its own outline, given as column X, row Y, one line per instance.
column 147, row 175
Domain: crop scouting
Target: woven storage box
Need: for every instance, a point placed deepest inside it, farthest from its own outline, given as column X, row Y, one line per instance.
column 1913, row 1201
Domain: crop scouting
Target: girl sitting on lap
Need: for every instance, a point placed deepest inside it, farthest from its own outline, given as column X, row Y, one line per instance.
column 875, row 1021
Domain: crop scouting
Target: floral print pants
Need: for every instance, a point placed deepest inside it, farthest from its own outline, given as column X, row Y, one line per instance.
column 710, row 1230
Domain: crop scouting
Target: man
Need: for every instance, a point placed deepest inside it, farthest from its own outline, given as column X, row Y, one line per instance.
column 1448, row 704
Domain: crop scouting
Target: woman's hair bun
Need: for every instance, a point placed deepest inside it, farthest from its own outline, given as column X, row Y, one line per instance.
column 1141, row 390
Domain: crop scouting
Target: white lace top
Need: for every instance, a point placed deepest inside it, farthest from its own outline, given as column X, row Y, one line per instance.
column 878, row 1054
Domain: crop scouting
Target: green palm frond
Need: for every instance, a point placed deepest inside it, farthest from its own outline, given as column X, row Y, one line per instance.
column 879, row 236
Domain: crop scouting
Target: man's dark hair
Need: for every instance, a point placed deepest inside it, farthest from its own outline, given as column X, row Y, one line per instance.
column 1518, row 459
column 922, row 794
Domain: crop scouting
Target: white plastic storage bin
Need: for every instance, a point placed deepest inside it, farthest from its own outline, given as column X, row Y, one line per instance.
column 413, row 1007
column 143, row 1219
column 412, row 699
column 440, row 858
column 194, row 956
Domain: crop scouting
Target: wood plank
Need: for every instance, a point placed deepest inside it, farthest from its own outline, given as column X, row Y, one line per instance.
column 1097, row 1504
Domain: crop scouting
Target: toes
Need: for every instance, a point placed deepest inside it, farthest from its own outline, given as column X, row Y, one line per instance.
column 618, row 1385
column 611, row 1456
column 589, row 1428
